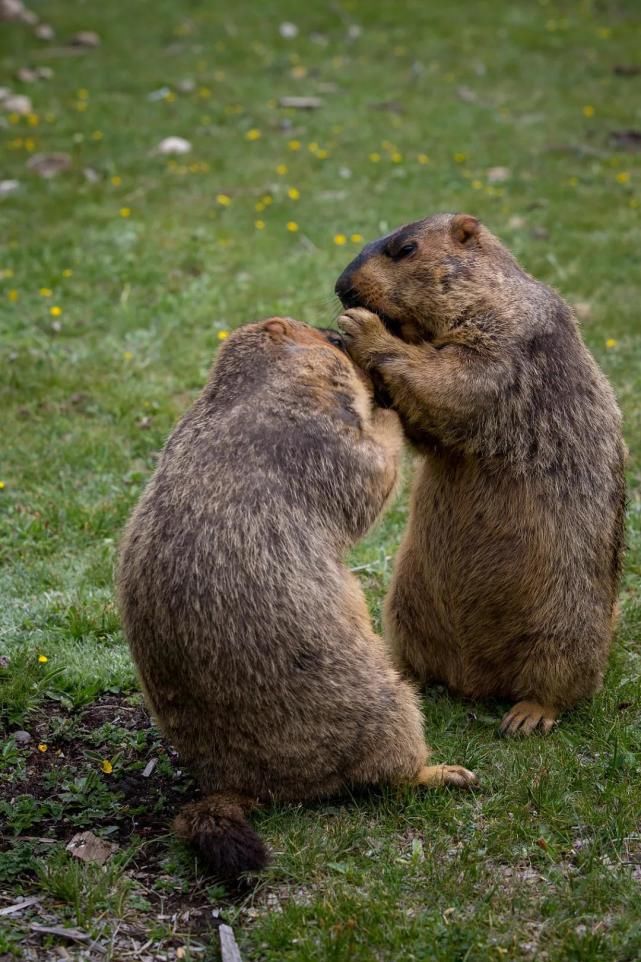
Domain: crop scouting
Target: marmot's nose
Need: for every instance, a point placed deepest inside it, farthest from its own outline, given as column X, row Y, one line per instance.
column 345, row 288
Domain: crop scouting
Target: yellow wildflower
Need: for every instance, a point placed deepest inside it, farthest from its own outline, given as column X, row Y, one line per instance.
column 42, row 747
column 375, row 157
column 30, row 144
column 259, row 224
column 322, row 154
column 55, row 311
column 106, row 766
column 623, row 177
column 477, row 184
column 396, row 157
column 292, row 226
column 588, row 110
column 33, row 120
column 116, row 180
column 267, row 199
column 259, row 207
column 97, row 135
column 460, row 158
column 223, row 199
column 82, row 94
column 281, row 169
column 294, row 144
column 253, row 134
column 298, row 72
column 293, row 193
column 67, row 272
column 169, row 97
column 13, row 295
column 423, row 159
column 125, row 212
column 127, row 356
column 611, row 342
column 356, row 238
column 223, row 335
column 43, row 659
column 2, row 485
column 14, row 118
column 45, row 292
column 340, row 239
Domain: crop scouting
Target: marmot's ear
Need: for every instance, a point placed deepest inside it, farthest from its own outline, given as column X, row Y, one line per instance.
column 464, row 228
column 276, row 327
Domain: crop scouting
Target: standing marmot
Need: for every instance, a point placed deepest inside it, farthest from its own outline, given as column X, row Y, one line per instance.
column 506, row 581
column 251, row 637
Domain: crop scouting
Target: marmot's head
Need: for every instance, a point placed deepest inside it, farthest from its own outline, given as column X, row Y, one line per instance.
column 427, row 277
column 303, row 363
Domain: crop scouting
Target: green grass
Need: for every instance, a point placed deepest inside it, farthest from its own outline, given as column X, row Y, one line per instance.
column 543, row 861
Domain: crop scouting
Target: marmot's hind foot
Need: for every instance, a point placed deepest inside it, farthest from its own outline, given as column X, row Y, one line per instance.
column 526, row 717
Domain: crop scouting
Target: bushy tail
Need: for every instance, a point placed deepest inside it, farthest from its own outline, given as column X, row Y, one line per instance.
column 219, row 830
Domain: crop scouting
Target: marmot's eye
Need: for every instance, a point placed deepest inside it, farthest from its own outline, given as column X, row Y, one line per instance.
column 404, row 251
column 336, row 340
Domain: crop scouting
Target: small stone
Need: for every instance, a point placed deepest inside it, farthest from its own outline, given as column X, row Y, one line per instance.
column 49, row 165
column 540, row 233
column 91, row 176
column 186, row 86
column 44, row 31
column 85, row 38
column 56, row 327
column 22, row 738
column 300, row 103
column 583, row 310
column 173, row 145
column 288, row 30
column 354, row 31
column 516, row 222
column 26, row 75
column 344, row 172
column 15, row 10
column 8, row 187
column 158, row 94
column 4, row 93
column 467, row 95
column 498, row 175
column 44, row 73
column 17, row 104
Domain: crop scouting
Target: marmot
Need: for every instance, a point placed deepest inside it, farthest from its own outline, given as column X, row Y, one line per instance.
column 251, row 637
column 506, row 580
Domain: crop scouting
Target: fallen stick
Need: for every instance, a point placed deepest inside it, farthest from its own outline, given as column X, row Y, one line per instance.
column 18, row 906
column 228, row 945
column 73, row 935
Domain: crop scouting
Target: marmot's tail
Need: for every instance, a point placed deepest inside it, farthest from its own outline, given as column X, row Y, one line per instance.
column 219, row 830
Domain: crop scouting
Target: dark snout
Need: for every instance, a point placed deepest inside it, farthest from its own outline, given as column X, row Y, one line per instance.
column 347, row 284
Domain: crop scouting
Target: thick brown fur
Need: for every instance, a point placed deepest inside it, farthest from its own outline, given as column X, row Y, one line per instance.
column 507, row 577
column 251, row 637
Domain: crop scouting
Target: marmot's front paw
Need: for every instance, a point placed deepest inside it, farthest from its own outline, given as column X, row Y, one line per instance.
column 366, row 337
column 434, row 776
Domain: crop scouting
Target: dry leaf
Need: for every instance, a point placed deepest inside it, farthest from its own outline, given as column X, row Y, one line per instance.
column 89, row 848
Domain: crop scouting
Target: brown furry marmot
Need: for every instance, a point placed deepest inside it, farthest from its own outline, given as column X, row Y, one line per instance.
column 506, row 580
column 251, row 636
